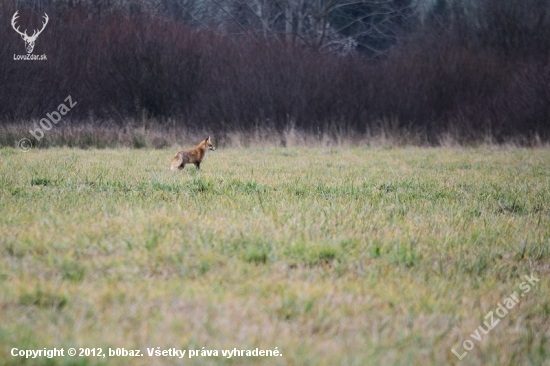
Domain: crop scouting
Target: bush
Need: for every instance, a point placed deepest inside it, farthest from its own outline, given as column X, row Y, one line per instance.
column 467, row 79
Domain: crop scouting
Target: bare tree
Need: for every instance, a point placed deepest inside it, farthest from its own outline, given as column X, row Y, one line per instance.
column 326, row 25
column 340, row 26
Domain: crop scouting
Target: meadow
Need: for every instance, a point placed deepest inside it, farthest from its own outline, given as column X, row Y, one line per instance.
column 336, row 256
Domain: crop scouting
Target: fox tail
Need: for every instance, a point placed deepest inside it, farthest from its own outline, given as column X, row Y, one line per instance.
column 176, row 162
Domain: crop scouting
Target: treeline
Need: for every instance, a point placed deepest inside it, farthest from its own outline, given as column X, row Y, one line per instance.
column 466, row 73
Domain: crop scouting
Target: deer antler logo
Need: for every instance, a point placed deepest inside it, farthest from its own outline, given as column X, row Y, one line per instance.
column 29, row 41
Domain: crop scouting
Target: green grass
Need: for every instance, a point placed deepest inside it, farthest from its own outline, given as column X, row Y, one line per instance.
column 359, row 256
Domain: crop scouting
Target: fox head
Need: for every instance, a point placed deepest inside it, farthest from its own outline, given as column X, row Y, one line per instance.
column 208, row 144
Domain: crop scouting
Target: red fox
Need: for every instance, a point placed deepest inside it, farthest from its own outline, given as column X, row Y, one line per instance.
column 192, row 156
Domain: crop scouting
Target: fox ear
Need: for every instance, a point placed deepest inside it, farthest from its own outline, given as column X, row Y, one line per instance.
column 207, row 139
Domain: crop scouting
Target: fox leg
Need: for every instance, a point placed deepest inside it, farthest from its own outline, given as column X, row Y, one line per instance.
column 198, row 165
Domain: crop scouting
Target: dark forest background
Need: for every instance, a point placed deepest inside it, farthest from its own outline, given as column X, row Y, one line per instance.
column 430, row 70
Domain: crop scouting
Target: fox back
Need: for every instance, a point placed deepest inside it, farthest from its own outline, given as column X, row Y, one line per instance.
column 192, row 156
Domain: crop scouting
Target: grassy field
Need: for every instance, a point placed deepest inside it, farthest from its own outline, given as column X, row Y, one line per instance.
column 344, row 256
